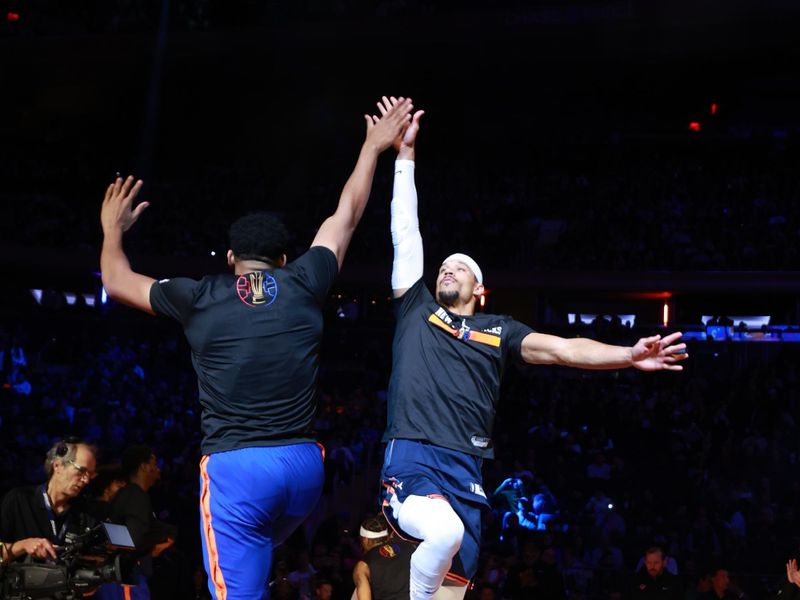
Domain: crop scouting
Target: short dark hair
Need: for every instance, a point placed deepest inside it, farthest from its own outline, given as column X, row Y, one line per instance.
column 654, row 550
column 259, row 236
column 106, row 475
column 133, row 458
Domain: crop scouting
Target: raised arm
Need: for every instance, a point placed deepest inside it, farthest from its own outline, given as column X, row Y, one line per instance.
column 649, row 354
column 117, row 216
column 406, row 239
column 337, row 230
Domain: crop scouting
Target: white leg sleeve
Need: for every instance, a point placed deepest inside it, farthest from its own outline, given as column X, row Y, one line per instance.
column 407, row 241
column 434, row 522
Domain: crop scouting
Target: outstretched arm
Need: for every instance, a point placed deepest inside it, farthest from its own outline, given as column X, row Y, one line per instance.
column 407, row 265
column 337, row 230
column 649, row 354
column 117, row 216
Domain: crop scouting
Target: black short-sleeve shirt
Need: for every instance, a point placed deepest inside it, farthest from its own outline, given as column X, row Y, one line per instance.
column 446, row 372
column 255, row 346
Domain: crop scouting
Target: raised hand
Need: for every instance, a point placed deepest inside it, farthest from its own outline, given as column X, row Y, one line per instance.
column 792, row 574
column 117, row 214
column 382, row 132
column 655, row 354
column 408, row 138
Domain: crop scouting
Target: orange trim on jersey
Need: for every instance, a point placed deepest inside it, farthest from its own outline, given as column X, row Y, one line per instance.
column 208, row 533
column 457, row 578
column 126, row 592
column 434, row 318
column 468, row 335
column 482, row 338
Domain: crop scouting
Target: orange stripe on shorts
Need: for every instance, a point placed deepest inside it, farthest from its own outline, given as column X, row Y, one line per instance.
column 208, row 532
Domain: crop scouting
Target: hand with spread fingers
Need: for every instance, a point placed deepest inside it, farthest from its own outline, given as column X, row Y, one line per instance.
column 404, row 143
column 384, row 131
column 117, row 214
column 656, row 353
column 792, row 573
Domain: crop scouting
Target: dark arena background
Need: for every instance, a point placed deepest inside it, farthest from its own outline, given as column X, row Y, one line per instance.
column 619, row 168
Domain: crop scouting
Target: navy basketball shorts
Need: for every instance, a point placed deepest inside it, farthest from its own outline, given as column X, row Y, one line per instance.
column 412, row 467
column 251, row 500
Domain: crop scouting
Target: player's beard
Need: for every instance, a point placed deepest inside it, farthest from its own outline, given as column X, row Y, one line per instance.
column 447, row 298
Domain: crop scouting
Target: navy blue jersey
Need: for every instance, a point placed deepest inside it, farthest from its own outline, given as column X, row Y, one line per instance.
column 255, row 348
column 446, row 373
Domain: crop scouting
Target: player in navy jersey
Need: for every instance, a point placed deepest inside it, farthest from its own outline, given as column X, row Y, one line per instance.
column 447, row 364
column 255, row 337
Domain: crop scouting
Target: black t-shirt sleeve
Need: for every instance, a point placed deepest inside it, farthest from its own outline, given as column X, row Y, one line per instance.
column 515, row 333
column 415, row 296
column 173, row 297
column 134, row 510
column 317, row 268
column 8, row 517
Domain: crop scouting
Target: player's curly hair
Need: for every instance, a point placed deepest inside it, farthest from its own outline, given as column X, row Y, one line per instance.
column 259, row 236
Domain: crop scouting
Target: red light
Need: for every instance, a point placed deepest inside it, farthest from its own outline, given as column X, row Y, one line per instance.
column 714, row 108
column 694, row 126
column 12, row 16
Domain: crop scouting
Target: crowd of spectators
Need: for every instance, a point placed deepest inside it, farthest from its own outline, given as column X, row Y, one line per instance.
column 592, row 469
column 687, row 207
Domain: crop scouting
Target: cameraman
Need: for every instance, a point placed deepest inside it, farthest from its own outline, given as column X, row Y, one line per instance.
column 44, row 516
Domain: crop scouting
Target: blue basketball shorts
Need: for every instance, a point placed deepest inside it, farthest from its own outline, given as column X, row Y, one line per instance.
column 418, row 468
column 251, row 500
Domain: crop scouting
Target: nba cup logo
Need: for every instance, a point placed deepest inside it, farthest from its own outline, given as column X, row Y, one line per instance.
column 257, row 285
column 257, row 289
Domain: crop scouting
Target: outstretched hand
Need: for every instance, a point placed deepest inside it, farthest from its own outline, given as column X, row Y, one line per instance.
column 117, row 213
column 382, row 132
column 408, row 138
column 792, row 574
column 655, row 354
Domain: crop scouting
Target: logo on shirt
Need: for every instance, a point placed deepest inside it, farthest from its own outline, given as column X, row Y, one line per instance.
column 480, row 442
column 256, row 289
column 442, row 314
column 387, row 551
column 495, row 330
column 477, row 488
column 442, row 320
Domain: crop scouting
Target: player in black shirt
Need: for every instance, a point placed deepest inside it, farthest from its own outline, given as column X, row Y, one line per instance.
column 255, row 337
column 382, row 572
column 447, row 364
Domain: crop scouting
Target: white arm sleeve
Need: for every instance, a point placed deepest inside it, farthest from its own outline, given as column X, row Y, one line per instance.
column 407, row 241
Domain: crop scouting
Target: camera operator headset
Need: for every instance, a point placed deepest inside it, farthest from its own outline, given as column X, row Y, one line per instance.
column 44, row 516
